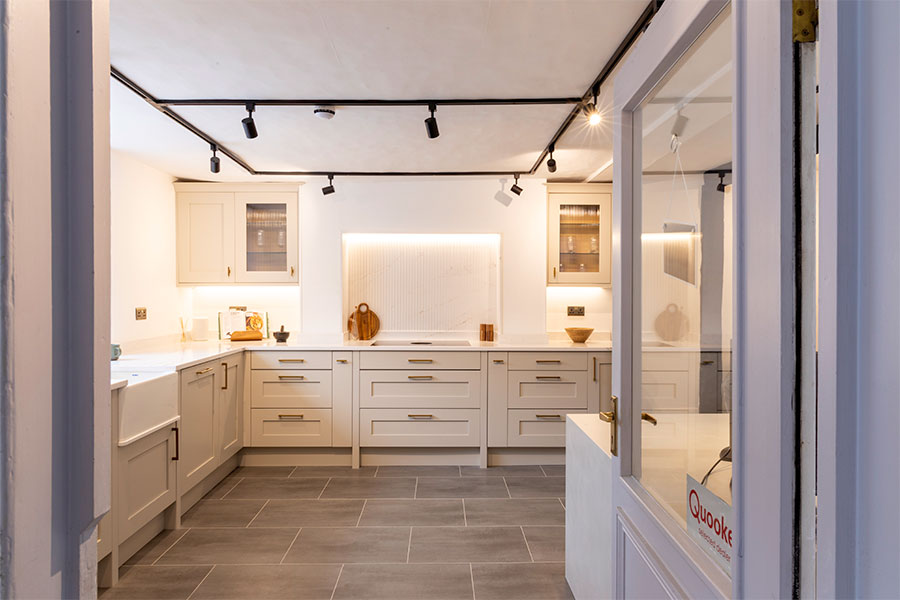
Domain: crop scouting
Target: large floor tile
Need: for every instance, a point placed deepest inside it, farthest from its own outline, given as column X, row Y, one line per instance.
column 554, row 470
column 521, row 582
column 333, row 472
column 225, row 486
column 335, row 545
column 156, row 583
column 270, row 488
column 388, row 487
column 467, row 544
column 309, row 513
column 516, row 511
column 418, row 471
column 155, row 547
column 413, row 512
column 547, row 544
column 404, row 582
column 510, row 470
column 262, row 472
column 269, row 582
column 461, row 487
column 536, row 487
column 222, row 513
column 229, row 546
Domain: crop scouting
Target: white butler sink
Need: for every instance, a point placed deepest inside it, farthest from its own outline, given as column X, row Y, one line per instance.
column 147, row 403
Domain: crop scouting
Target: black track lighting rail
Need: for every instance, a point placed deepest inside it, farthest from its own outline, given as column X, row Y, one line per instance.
column 365, row 102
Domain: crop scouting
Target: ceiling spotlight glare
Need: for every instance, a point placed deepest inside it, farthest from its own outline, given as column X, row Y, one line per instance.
column 721, row 186
column 515, row 189
column 431, row 123
column 329, row 189
column 249, row 125
column 214, row 160
column 551, row 164
column 592, row 112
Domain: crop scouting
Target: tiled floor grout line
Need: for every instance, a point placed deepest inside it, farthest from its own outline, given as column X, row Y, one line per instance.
column 231, row 489
column 259, row 511
column 465, row 518
column 409, row 546
column 543, row 471
column 376, row 472
column 291, row 545
column 208, row 573
column 294, row 470
column 416, row 491
column 319, row 497
column 472, row 576
column 336, row 581
column 507, row 488
column 359, row 520
column 181, row 537
column 563, row 503
column 522, row 529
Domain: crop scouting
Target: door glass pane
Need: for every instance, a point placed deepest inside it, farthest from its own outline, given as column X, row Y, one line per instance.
column 266, row 237
column 684, row 304
column 579, row 238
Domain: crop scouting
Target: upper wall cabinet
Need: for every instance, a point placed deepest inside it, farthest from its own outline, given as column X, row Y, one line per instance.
column 230, row 233
column 579, row 239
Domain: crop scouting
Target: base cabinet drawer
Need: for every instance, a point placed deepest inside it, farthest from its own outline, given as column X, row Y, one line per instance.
column 545, row 428
column 411, row 389
column 285, row 427
column 390, row 359
column 548, row 361
column 290, row 359
column 540, row 389
column 665, row 391
column 290, row 389
column 424, row 428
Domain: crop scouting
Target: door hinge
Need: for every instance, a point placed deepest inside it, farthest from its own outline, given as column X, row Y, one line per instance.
column 805, row 19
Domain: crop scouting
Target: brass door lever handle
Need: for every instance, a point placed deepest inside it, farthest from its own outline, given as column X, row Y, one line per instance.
column 649, row 418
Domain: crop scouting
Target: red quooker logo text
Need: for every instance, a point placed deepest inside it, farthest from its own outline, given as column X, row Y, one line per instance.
column 704, row 517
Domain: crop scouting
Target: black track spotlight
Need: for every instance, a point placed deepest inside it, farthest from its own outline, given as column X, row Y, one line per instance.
column 247, row 122
column 214, row 160
column 551, row 163
column 592, row 112
column 431, row 123
column 329, row 189
column 515, row 189
column 721, row 186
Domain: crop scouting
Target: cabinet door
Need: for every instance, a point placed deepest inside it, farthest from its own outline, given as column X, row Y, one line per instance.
column 267, row 237
column 199, row 446
column 205, row 237
column 579, row 238
column 146, row 480
column 230, row 409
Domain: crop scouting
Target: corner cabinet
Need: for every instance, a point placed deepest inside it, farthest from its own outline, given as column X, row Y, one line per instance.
column 579, row 237
column 237, row 233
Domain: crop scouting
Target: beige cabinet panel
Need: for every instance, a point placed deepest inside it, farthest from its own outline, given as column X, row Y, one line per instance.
column 402, row 359
column 290, row 427
column 539, row 389
column 412, row 389
column 538, row 428
column 290, row 389
column 230, row 409
column 548, row 361
column 497, row 398
column 435, row 428
column 199, row 450
column 342, row 400
column 290, row 359
column 205, row 237
column 146, row 480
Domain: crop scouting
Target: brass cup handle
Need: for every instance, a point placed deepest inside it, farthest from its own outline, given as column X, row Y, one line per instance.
column 425, row 377
column 291, row 377
column 204, row 371
column 649, row 418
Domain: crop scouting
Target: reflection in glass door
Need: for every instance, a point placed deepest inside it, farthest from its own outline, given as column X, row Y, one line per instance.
column 266, row 237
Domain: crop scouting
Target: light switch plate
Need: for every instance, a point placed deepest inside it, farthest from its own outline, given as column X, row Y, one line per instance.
column 140, row 313
column 575, row 311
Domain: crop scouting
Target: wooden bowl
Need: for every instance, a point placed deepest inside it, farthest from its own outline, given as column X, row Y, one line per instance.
column 579, row 335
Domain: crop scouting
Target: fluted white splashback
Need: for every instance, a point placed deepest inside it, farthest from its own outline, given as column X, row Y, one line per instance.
column 424, row 282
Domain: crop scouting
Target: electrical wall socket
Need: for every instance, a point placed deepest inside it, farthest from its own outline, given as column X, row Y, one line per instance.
column 140, row 313
column 575, row 311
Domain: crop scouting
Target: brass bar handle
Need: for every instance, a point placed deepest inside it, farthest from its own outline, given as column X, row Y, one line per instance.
column 426, row 361
column 225, row 364
column 548, row 361
column 707, row 362
column 548, row 378
column 204, row 371
column 554, row 273
column 229, row 271
column 288, row 417
column 292, row 271
column 177, row 444
column 420, row 416
column 425, row 377
column 498, row 361
column 292, row 377
column 594, row 370
column 292, row 360
column 649, row 418
column 548, row 416
column 343, row 361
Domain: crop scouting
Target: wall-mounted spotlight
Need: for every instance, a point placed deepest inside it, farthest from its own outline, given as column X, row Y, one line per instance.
column 247, row 122
column 515, row 189
column 329, row 189
column 592, row 112
column 721, row 186
column 431, row 123
column 551, row 164
column 214, row 160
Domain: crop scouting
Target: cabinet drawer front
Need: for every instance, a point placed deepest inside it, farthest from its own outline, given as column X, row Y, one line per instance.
column 539, row 389
column 665, row 391
column 201, row 371
column 290, row 389
column 548, row 361
column 668, row 361
column 538, row 428
column 373, row 359
column 422, row 428
column 409, row 389
column 290, row 427
column 290, row 359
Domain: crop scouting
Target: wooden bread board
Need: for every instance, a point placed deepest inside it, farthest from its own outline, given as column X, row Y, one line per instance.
column 363, row 322
column 246, row 336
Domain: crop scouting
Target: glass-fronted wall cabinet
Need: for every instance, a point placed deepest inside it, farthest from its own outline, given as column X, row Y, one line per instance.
column 579, row 238
column 230, row 233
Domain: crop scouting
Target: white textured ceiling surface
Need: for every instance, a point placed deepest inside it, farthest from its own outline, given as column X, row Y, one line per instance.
column 363, row 50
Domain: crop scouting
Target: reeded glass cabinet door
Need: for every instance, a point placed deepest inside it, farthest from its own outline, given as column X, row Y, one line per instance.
column 266, row 235
column 579, row 237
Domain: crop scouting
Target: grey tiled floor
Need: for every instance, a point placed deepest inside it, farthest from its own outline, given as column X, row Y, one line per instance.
column 418, row 533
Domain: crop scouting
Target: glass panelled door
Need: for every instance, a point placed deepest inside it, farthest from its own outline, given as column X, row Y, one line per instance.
column 579, row 238
column 266, row 236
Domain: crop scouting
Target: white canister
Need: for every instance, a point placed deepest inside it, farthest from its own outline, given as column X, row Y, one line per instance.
column 200, row 329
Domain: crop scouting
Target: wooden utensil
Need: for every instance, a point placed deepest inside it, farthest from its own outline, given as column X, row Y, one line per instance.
column 363, row 322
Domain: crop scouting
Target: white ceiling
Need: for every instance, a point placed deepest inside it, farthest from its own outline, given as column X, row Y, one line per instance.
column 362, row 49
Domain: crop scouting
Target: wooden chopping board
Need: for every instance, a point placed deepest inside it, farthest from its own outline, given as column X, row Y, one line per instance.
column 363, row 323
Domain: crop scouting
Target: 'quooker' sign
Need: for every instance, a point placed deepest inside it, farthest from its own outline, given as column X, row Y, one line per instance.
column 709, row 523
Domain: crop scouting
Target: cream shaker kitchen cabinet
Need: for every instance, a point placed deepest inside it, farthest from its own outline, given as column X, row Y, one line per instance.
column 205, row 237
column 146, row 479
column 266, row 237
column 230, row 408
column 579, row 236
column 199, row 446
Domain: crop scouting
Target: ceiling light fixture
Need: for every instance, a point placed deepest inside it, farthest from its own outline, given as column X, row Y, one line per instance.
column 329, row 189
column 247, row 122
column 431, row 123
column 551, row 164
column 591, row 110
column 721, row 186
column 214, row 160
column 515, row 189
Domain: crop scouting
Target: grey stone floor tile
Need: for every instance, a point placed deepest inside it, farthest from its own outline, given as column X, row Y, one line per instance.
column 309, row 513
column 536, row 487
column 461, row 487
column 554, row 470
column 467, row 544
column 318, row 545
column 155, row 547
column 511, row 470
column 156, row 583
column 333, row 472
column 404, row 582
column 262, row 472
column 418, row 471
column 267, row 488
column 225, row 486
column 229, row 546
column 516, row 511
column 221, row 513
column 387, row 487
column 413, row 512
column 547, row 544
column 269, row 582
column 521, row 582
